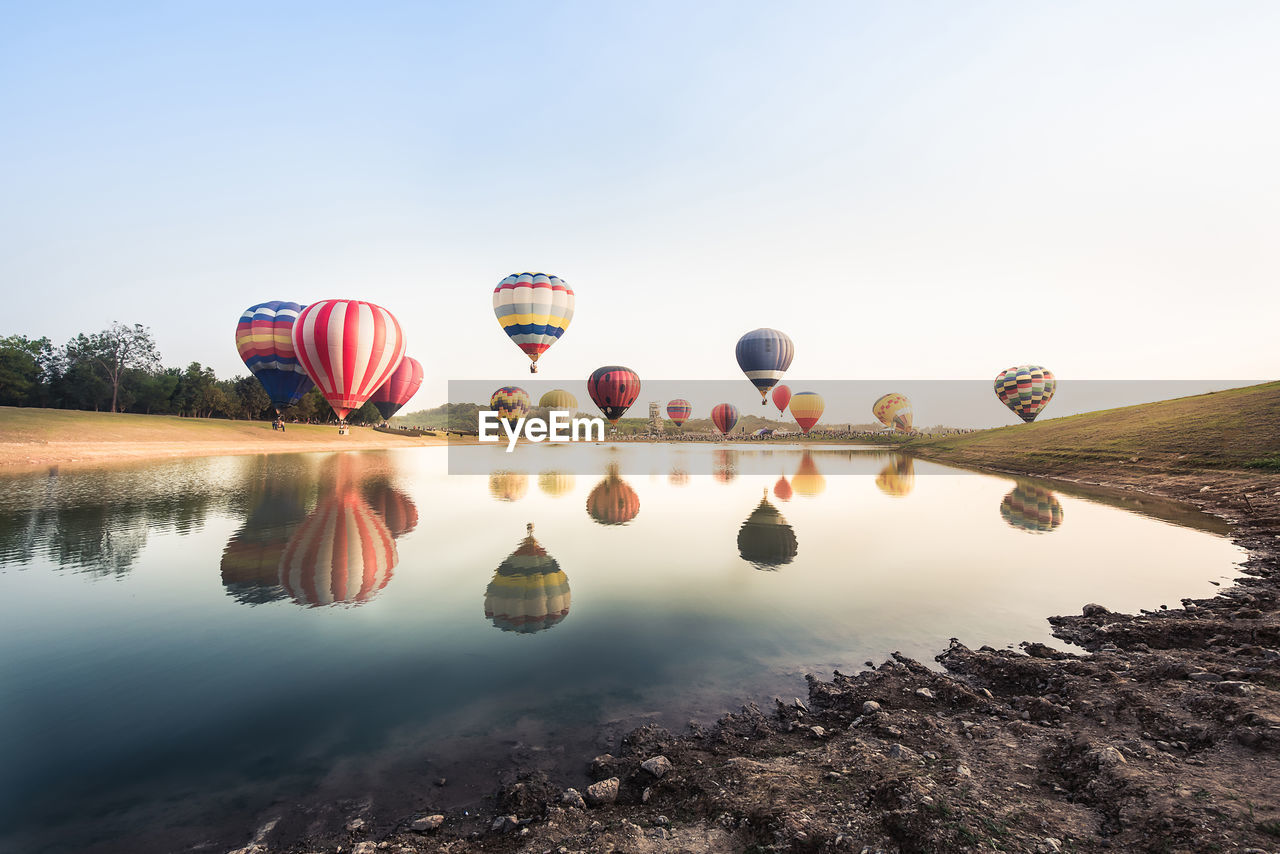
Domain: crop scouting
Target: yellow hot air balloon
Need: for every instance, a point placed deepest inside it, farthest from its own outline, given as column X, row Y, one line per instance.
column 898, row 478
column 559, row 399
column 555, row 483
column 529, row 592
column 806, row 409
column 893, row 410
column 508, row 485
column 807, row 480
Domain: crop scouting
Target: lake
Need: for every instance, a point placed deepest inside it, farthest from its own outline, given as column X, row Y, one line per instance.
column 193, row 646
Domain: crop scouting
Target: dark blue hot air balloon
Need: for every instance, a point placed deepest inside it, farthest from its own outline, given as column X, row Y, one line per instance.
column 264, row 338
column 764, row 355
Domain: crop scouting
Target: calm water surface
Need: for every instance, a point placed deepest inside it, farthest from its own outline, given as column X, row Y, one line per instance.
column 194, row 646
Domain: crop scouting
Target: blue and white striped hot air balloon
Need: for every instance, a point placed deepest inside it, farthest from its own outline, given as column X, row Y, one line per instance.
column 764, row 356
column 534, row 310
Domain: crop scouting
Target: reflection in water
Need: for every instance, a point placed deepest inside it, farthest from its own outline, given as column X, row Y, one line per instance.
column 807, row 480
column 898, row 478
column 678, row 477
column 342, row 553
column 765, row 540
column 613, row 501
column 508, row 485
column 1031, row 508
column 251, row 559
column 555, row 483
column 726, row 465
column 397, row 510
column 529, row 592
column 782, row 489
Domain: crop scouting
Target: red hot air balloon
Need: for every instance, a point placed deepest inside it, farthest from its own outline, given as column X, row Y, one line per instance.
column 613, row 501
column 613, row 388
column 725, row 417
column 781, row 397
column 403, row 384
column 349, row 349
column 678, row 411
column 782, row 489
column 342, row 554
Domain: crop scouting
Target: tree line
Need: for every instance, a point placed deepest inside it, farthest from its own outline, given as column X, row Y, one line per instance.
column 120, row 370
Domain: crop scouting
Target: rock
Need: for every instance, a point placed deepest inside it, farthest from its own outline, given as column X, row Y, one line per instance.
column 870, row 707
column 604, row 792
column 441, row 781
column 897, row 751
column 427, row 823
column 1204, row 489
column 1234, row 687
column 963, row 771
column 365, row 848
column 1106, row 757
column 1204, row 676
column 662, row 821
column 818, row 732
column 925, row 693
column 658, row 766
column 355, row 824
column 603, row 766
column 646, row 794
column 573, row 798
column 504, row 824
column 1051, row 845
column 1093, row 609
column 799, row 704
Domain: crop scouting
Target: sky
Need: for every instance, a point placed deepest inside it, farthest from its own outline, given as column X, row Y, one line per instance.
column 911, row 191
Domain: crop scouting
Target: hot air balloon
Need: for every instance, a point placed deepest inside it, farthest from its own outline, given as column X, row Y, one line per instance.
column 403, row 384
column 396, row 510
column 781, row 397
column 807, row 480
column 725, row 465
column 806, row 409
column 613, row 388
column 560, row 400
column 555, row 483
column 893, row 410
column 251, row 559
column 782, row 489
column 1031, row 508
column 264, row 338
column 529, row 592
column 898, row 478
column 765, row 540
column 678, row 411
column 510, row 402
column 725, row 417
column 342, row 554
column 534, row 310
column 678, row 477
column 349, row 348
column 612, row 501
column 764, row 356
column 1026, row 389
column 508, row 485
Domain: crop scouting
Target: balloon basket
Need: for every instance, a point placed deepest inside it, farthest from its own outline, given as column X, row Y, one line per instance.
column 343, row 429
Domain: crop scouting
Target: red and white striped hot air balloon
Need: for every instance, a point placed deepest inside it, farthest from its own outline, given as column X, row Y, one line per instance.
column 342, row 554
column 349, row 348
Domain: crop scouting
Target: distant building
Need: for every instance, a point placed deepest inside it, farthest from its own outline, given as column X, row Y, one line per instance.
column 656, row 423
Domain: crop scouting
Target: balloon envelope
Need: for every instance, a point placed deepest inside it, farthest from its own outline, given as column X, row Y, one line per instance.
column 765, row 540
column 1031, row 508
column 559, row 399
column 402, row 385
column 510, row 402
column 1026, row 389
column 534, row 309
column 529, row 592
column 898, row 478
column 264, row 339
column 781, row 397
column 342, row 554
column 678, row 411
column 893, row 410
column 555, row 483
column 396, row 510
column 725, row 417
column 508, row 485
column 349, row 349
column 612, row 501
column 764, row 356
column 782, row 489
column 807, row 480
column 613, row 388
column 806, row 409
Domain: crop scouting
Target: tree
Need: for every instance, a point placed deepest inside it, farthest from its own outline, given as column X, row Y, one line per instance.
column 25, row 365
column 116, row 350
column 251, row 395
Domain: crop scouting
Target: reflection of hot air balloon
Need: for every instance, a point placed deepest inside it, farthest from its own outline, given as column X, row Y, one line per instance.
column 555, row 483
column 808, row 480
column 612, row 501
column 725, row 417
column 397, row 510
column 806, row 409
column 402, row 385
column 678, row 411
column 764, row 356
column 342, row 554
column 529, row 592
column 725, row 465
column 559, row 399
column 508, row 485
column 264, row 338
column 765, row 540
column 898, row 477
column 782, row 489
column 1031, row 508
column 781, row 397
column 613, row 388
column 678, row 477
column 510, row 402
column 349, row 348
column 251, row 560
column 534, row 310
column 1026, row 390
column 893, row 410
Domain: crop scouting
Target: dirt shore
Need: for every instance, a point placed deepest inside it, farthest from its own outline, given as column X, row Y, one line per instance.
column 1164, row 736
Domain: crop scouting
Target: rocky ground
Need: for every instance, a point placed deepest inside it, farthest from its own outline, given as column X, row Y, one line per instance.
column 1164, row 736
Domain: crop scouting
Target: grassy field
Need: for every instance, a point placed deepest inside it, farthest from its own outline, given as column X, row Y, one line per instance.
column 1237, row 428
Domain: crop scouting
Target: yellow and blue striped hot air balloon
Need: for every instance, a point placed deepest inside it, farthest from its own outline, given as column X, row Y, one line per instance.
column 534, row 310
column 529, row 592
column 764, row 356
column 510, row 402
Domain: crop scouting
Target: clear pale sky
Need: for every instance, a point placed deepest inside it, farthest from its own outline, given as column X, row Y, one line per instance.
column 910, row 190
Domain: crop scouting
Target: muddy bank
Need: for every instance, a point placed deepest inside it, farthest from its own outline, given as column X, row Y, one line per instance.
column 1163, row 736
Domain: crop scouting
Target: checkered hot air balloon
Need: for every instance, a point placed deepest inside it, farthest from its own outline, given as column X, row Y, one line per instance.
column 1026, row 389
column 534, row 309
column 1031, row 508
column 678, row 411
column 806, row 409
column 402, row 385
column 264, row 339
column 613, row 388
column 349, row 348
column 893, row 410
column 510, row 402
column 764, row 356
column 898, row 478
column 725, row 417
column 529, row 592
